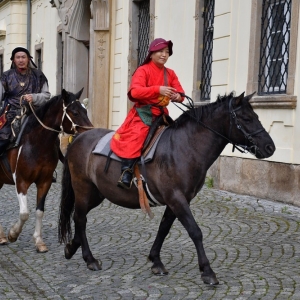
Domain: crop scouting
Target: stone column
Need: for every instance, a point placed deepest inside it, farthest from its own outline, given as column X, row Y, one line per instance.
column 75, row 16
column 98, row 108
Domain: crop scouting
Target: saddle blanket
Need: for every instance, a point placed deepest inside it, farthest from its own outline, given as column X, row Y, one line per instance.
column 103, row 147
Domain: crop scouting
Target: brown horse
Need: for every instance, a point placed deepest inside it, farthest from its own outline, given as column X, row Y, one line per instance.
column 176, row 174
column 36, row 157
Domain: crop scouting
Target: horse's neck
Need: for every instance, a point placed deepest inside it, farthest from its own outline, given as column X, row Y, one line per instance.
column 204, row 143
column 48, row 130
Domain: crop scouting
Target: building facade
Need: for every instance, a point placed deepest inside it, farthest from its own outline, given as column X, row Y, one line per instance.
column 219, row 46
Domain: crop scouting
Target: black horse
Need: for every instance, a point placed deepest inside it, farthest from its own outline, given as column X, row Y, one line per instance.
column 176, row 174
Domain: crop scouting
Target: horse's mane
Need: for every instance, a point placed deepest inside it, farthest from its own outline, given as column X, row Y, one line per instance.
column 196, row 113
column 40, row 112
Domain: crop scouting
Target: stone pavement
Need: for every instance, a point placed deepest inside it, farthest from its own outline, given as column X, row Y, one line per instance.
column 253, row 246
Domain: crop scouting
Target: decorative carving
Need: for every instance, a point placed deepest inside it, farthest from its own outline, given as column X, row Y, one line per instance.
column 100, row 14
column 39, row 39
column 101, row 48
column 66, row 20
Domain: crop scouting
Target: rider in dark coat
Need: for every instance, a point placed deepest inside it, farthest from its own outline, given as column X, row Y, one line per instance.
column 23, row 82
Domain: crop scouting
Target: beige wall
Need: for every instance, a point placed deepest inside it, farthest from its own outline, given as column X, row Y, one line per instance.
column 13, row 20
column 45, row 21
column 230, row 72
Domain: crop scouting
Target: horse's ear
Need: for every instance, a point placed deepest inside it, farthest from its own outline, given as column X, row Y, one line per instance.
column 249, row 96
column 64, row 94
column 79, row 94
column 239, row 98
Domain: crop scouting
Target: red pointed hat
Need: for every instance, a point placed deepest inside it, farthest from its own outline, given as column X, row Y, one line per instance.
column 157, row 45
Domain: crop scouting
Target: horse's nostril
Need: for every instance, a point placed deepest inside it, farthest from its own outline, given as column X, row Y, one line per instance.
column 270, row 149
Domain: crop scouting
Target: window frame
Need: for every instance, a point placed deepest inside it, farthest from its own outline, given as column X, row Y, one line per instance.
column 198, row 57
column 281, row 100
column 38, row 49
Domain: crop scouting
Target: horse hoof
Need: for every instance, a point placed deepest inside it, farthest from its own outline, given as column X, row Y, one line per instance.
column 159, row 270
column 69, row 251
column 12, row 239
column 3, row 241
column 211, row 280
column 41, row 248
column 95, row 266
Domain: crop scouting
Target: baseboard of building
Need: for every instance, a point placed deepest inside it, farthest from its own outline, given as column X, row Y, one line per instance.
column 259, row 178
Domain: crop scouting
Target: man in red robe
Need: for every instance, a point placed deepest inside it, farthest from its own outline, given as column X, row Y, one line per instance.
column 152, row 87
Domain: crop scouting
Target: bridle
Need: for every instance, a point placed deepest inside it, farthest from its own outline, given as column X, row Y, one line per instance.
column 65, row 114
column 253, row 149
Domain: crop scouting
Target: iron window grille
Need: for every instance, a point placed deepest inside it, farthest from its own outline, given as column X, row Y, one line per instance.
column 1, row 64
column 274, row 46
column 39, row 62
column 208, row 32
column 143, row 30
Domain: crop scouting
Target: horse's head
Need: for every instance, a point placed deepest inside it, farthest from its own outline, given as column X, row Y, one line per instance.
column 246, row 130
column 75, row 117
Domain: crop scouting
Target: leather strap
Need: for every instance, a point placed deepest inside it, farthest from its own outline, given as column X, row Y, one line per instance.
column 144, row 203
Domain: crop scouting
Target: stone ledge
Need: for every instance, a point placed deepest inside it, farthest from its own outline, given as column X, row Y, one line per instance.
column 274, row 101
column 259, row 178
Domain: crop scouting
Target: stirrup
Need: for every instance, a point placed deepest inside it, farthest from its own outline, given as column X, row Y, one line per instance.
column 121, row 184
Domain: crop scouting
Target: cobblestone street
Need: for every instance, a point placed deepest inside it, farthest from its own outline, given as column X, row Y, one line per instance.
column 253, row 246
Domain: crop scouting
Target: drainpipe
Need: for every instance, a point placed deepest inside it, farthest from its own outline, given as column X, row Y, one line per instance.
column 28, row 24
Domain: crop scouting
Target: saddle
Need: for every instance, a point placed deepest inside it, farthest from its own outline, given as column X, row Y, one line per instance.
column 155, row 132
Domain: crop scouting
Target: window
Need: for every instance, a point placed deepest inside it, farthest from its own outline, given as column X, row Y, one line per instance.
column 39, row 56
column 141, row 22
column 272, row 53
column 274, row 50
column 143, row 30
column 204, row 25
column 208, row 31
column 1, row 64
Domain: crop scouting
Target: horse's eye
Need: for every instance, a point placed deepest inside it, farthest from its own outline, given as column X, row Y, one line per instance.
column 247, row 120
column 75, row 113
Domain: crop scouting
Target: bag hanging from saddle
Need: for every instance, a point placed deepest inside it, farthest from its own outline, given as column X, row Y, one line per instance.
column 3, row 119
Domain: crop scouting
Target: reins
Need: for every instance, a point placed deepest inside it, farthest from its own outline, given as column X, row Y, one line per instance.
column 245, row 149
column 65, row 114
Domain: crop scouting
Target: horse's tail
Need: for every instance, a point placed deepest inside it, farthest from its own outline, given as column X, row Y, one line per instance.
column 66, row 206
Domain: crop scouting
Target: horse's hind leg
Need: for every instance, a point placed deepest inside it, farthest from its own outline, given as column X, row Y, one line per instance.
column 87, row 198
column 42, row 191
column 168, row 219
column 3, row 238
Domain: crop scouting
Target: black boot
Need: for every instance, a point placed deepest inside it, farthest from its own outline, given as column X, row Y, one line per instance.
column 3, row 145
column 126, row 173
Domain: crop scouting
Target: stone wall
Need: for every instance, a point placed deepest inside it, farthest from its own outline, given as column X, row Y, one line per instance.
column 260, row 178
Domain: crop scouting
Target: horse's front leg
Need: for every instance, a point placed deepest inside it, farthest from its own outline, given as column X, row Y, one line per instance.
column 182, row 211
column 3, row 238
column 16, row 229
column 167, row 220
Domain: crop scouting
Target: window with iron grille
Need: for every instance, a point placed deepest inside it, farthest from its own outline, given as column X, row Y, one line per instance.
column 38, row 57
column 1, row 64
column 274, row 49
column 208, row 31
column 143, row 30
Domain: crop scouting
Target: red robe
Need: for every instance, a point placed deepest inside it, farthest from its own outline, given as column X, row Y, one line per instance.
column 128, row 140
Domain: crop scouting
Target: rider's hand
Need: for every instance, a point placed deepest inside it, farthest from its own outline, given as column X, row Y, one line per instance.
column 28, row 98
column 166, row 92
column 176, row 97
